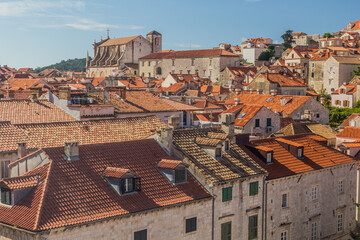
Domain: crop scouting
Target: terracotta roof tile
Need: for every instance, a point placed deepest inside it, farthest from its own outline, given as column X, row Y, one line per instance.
column 284, row 81
column 118, row 41
column 169, row 163
column 348, row 119
column 350, row 132
column 20, row 182
column 75, row 192
column 114, row 172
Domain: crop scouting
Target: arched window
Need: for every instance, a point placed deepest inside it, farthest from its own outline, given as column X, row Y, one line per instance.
column 158, row 71
column 157, row 42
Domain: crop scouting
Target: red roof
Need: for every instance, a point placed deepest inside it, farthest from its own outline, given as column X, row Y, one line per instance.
column 20, row 182
column 316, row 156
column 349, row 132
column 27, row 111
column 113, row 172
column 169, row 163
column 284, row 81
column 347, row 121
column 75, row 192
column 97, row 81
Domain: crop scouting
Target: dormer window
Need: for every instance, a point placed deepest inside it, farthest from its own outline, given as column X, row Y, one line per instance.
column 211, row 146
column 269, row 157
column 300, row 152
column 218, row 152
column 122, row 180
column 175, row 171
column 5, row 196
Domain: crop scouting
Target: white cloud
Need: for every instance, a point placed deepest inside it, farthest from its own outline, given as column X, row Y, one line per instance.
column 31, row 7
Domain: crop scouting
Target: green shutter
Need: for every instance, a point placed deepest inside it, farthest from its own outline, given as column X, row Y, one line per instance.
column 227, row 194
column 253, row 223
column 226, row 231
column 254, row 188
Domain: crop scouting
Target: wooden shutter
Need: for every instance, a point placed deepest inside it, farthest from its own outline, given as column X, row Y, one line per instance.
column 122, row 186
column 253, row 222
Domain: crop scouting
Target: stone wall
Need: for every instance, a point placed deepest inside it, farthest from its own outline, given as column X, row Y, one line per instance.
column 316, row 67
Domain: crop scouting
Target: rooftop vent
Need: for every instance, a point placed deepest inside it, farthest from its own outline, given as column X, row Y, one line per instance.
column 72, row 151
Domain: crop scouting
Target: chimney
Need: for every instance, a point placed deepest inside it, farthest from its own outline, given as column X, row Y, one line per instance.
column 228, row 125
column 71, row 151
column 251, row 91
column 243, row 138
column 237, row 101
column 65, row 93
column 237, row 91
column 122, row 92
column 273, row 92
column 35, row 93
column 11, row 94
column 174, row 122
column 260, row 91
column 21, row 149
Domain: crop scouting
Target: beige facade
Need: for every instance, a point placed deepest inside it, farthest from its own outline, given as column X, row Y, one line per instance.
column 339, row 70
column 331, row 210
column 112, row 54
column 316, row 74
column 206, row 67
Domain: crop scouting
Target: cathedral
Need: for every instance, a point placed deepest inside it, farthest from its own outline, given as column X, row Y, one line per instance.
column 112, row 54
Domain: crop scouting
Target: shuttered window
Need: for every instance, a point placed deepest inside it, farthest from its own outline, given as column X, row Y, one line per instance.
column 140, row 235
column 226, row 231
column 5, row 196
column 227, row 194
column 191, row 225
column 254, row 188
column 253, row 227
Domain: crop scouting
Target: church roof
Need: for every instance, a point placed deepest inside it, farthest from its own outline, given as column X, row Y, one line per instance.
column 118, row 41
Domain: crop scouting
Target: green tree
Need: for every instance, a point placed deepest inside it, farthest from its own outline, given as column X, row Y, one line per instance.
column 357, row 71
column 76, row 64
column 328, row 35
column 288, row 39
column 267, row 54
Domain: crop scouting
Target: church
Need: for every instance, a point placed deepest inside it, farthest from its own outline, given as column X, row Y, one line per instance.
column 112, row 54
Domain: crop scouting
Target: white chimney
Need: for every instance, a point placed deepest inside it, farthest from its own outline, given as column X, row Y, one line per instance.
column 71, row 151
column 237, row 101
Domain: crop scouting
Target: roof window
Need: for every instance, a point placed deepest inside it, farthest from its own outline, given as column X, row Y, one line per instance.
column 122, row 180
column 175, row 171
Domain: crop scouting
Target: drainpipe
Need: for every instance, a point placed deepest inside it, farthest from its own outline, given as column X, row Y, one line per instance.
column 264, row 224
column 213, row 218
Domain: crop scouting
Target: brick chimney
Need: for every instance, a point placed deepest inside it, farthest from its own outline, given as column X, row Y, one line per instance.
column 237, row 91
column 273, row 92
column 65, row 93
column 165, row 136
column 21, row 149
column 174, row 122
column 122, row 92
column 71, row 151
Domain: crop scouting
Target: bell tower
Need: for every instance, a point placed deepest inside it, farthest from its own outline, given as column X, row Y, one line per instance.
column 155, row 39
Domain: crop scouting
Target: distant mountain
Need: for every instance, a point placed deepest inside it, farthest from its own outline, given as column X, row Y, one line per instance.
column 77, row 64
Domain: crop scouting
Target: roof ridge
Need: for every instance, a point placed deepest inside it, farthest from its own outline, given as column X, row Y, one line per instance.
column 42, row 198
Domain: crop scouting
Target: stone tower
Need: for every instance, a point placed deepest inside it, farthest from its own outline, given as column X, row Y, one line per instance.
column 155, row 39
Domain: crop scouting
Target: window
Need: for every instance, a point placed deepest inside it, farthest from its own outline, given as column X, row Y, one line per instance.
column 284, row 200
column 227, row 194
column 337, row 102
column 210, row 62
column 254, row 188
column 190, row 225
column 268, row 122
column 268, row 157
column 314, row 231
column 180, row 174
column 188, row 71
column 192, row 62
column 149, row 63
column 226, row 231
column 227, row 146
column 317, row 115
column 173, row 62
column 313, row 65
column 341, row 187
column 140, row 235
column 345, row 103
column 342, row 90
column 300, row 152
column 314, row 193
column 142, row 63
column 283, row 236
column 129, row 184
column 340, row 223
column 5, row 196
column 253, row 227
column 312, row 75
column 5, row 169
column 257, row 122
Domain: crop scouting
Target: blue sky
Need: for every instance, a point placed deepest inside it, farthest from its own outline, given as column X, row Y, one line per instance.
column 41, row 32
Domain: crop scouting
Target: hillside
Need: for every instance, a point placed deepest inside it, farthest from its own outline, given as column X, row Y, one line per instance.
column 77, row 64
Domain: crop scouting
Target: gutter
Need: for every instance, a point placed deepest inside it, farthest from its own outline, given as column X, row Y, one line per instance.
column 17, row 229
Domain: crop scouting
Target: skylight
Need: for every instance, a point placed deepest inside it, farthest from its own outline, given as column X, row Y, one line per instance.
column 269, row 100
column 242, row 115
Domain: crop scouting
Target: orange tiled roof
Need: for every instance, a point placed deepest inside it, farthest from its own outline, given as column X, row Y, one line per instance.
column 133, row 84
column 85, row 132
column 97, row 81
column 349, row 132
column 75, row 192
column 20, row 182
column 26, row 111
column 174, row 88
column 169, row 163
column 10, row 136
column 284, row 81
column 316, row 156
column 118, row 41
column 298, row 34
column 205, row 104
column 272, row 102
column 241, row 71
column 114, row 172
column 20, row 83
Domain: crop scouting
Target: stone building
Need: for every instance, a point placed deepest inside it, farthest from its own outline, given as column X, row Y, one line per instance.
column 89, row 192
column 113, row 54
column 226, row 171
column 310, row 190
column 316, row 69
column 339, row 70
column 236, row 76
column 207, row 63
column 283, row 84
column 345, row 96
column 303, row 40
column 296, row 107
